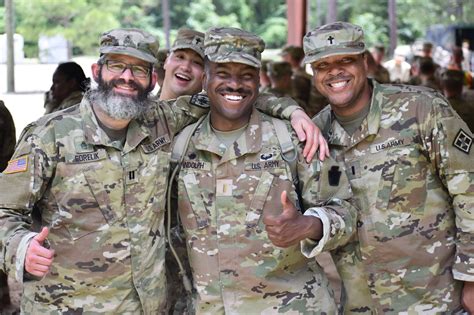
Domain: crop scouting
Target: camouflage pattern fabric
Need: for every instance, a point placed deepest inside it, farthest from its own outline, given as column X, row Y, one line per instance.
column 104, row 205
column 339, row 38
column 223, row 195
column 189, row 39
column 227, row 44
column 131, row 42
column 73, row 99
column 411, row 171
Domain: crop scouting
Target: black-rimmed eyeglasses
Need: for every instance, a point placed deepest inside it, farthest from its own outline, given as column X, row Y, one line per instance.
column 119, row 68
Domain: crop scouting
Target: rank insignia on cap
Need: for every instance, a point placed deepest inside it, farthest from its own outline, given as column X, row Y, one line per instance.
column 17, row 165
column 463, row 141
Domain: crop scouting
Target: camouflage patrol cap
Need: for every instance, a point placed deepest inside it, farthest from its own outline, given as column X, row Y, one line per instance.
column 227, row 44
column 280, row 68
column 339, row 38
column 131, row 42
column 295, row 52
column 160, row 58
column 189, row 39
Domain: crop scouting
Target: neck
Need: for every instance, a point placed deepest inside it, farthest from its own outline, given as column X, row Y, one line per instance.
column 166, row 93
column 228, row 125
column 361, row 103
column 108, row 121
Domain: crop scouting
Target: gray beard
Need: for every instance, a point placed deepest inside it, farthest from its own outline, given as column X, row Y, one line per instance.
column 118, row 106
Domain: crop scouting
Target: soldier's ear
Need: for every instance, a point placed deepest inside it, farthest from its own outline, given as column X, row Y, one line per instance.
column 366, row 62
column 95, row 71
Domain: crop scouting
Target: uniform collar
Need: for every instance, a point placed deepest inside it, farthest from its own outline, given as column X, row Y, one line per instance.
column 249, row 142
column 95, row 135
column 369, row 127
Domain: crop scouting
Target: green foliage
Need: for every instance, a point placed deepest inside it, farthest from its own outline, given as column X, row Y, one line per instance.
column 82, row 21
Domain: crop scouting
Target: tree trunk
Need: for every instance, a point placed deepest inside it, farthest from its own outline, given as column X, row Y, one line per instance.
column 392, row 17
column 10, row 30
column 331, row 16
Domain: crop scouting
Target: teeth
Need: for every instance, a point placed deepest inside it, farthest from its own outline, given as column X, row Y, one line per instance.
column 233, row 97
column 183, row 77
column 338, row 84
column 124, row 87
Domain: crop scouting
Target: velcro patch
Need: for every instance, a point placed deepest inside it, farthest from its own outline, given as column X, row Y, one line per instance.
column 463, row 141
column 17, row 165
column 201, row 100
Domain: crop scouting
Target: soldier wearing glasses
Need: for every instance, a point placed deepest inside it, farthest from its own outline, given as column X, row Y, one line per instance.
column 96, row 172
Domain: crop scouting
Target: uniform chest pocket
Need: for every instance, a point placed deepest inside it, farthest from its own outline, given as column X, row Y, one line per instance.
column 402, row 186
column 89, row 196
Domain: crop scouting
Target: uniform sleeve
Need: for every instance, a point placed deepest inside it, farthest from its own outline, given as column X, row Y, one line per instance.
column 23, row 182
column 278, row 107
column 326, row 194
column 449, row 143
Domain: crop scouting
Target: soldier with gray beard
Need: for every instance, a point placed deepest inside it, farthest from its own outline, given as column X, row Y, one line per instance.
column 96, row 173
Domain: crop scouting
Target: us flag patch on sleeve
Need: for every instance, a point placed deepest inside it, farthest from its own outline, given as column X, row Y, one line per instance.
column 17, row 165
column 463, row 141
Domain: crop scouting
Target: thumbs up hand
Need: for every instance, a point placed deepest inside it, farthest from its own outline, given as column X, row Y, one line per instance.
column 38, row 258
column 290, row 226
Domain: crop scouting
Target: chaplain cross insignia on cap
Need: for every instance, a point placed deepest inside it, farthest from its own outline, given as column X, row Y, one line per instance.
column 196, row 41
column 330, row 39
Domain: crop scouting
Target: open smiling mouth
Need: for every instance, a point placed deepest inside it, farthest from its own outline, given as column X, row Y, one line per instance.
column 182, row 77
column 233, row 97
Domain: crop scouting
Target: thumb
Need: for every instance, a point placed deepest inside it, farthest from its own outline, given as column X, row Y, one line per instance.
column 288, row 207
column 42, row 235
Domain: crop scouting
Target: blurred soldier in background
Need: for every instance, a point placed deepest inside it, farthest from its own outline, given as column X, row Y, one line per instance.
column 160, row 71
column 68, row 88
column 452, row 83
column 379, row 73
column 7, row 147
column 264, row 79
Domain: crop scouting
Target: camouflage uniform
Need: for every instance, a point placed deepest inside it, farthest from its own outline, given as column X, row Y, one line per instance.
column 103, row 202
column 73, row 99
column 225, row 192
column 411, row 171
column 7, row 147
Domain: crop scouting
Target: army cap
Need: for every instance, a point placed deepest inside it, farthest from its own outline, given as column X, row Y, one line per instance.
column 279, row 68
column 161, row 57
column 131, row 42
column 339, row 38
column 295, row 52
column 189, row 39
column 227, row 44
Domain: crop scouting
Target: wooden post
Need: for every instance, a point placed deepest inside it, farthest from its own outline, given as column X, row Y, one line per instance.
column 392, row 18
column 10, row 30
column 166, row 21
column 296, row 15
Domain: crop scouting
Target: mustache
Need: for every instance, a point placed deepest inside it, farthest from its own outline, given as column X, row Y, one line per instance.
column 231, row 90
column 132, row 84
column 338, row 77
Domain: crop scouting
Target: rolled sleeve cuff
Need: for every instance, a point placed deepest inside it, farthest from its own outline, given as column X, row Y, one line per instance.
column 286, row 114
column 310, row 248
column 21, row 256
